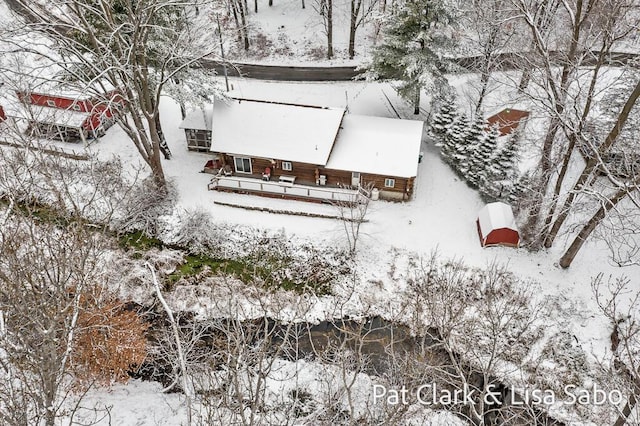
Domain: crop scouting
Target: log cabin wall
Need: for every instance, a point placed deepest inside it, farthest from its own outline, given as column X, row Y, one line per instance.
column 304, row 172
column 402, row 189
column 309, row 173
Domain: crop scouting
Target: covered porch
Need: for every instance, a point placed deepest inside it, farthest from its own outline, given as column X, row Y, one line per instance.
column 285, row 189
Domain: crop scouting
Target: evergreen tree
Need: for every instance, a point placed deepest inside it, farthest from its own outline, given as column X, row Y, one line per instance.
column 414, row 50
column 522, row 186
column 441, row 126
column 477, row 149
column 498, row 179
column 444, row 118
column 454, row 148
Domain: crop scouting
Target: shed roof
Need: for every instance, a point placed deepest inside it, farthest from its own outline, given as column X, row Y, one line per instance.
column 56, row 116
column 275, row 130
column 496, row 216
column 199, row 119
column 76, row 91
column 507, row 120
column 377, row 145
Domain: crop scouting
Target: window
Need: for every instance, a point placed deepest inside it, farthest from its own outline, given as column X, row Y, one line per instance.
column 355, row 178
column 287, row 166
column 389, row 183
column 51, row 102
column 243, row 165
column 198, row 139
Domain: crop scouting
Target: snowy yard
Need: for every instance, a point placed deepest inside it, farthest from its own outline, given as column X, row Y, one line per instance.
column 564, row 336
column 441, row 217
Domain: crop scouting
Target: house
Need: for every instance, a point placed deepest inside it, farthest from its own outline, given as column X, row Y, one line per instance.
column 508, row 120
column 308, row 152
column 497, row 226
column 69, row 114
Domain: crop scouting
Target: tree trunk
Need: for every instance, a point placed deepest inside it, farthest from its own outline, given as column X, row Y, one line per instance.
column 524, row 79
column 353, row 23
column 626, row 411
column 592, row 163
column 487, row 65
column 164, row 148
column 585, row 232
column 543, row 22
column 329, row 18
column 550, row 232
column 416, row 102
column 484, row 83
column 236, row 19
column 303, row 4
column 255, row 4
column 271, row 3
column 154, row 159
column 559, row 96
column 243, row 22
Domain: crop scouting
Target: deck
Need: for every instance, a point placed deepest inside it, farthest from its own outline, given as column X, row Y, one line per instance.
column 286, row 190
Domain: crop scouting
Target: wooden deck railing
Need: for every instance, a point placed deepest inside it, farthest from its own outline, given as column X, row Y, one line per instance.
column 285, row 190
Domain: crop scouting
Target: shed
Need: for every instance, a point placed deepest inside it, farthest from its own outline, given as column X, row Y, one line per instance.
column 197, row 129
column 497, row 226
column 508, row 120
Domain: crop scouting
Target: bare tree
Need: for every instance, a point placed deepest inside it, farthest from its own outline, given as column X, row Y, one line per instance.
column 492, row 26
column 324, row 8
column 472, row 323
column 122, row 54
column 45, row 269
column 594, row 28
column 353, row 214
column 360, row 10
column 619, row 303
column 594, row 165
column 239, row 9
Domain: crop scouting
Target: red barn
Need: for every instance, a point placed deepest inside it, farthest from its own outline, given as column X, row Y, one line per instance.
column 497, row 226
column 68, row 114
column 508, row 120
column 3, row 116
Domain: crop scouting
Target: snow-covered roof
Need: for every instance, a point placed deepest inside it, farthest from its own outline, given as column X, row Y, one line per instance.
column 56, row 116
column 274, row 130
column 199, row 119
column 508, row 120
column 77, row 91
column 496, row 216
column 382, row 146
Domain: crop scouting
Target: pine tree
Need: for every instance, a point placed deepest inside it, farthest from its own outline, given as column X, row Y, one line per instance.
column 454, row 148
column 414, row 50
column 522, row 186
column 441, row 126
column 478, row 148
column 444, row 118
column 493, row 174
column 498, row 179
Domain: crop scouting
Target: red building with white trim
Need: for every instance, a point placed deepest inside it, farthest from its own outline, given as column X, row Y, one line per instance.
column 68, row 114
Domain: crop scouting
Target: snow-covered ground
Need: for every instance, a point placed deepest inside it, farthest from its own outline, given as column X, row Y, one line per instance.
column 440, row 217
column 285, row 33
